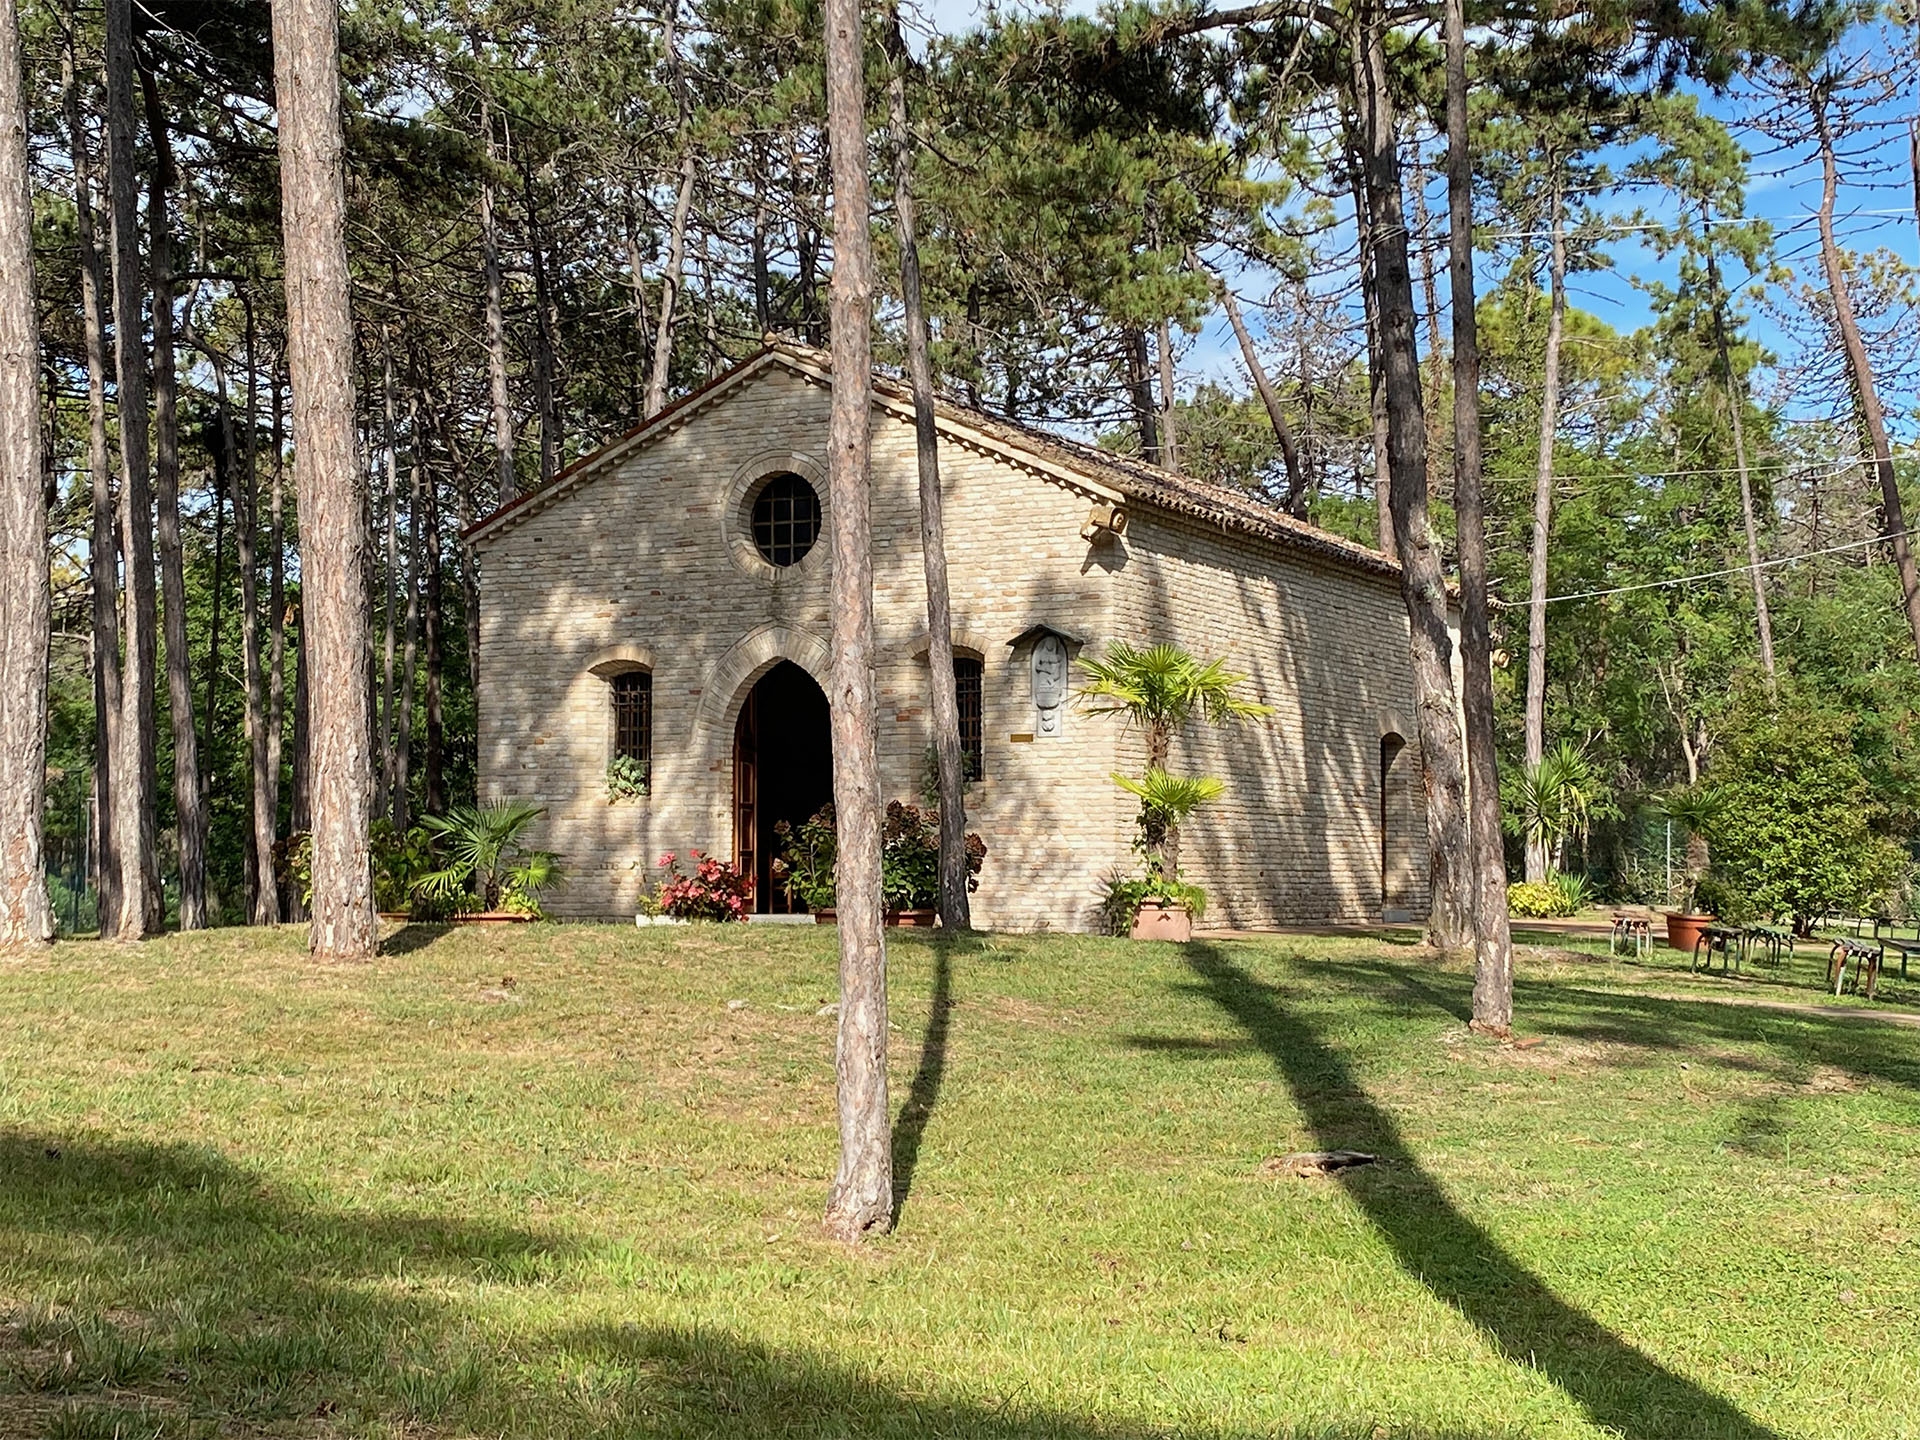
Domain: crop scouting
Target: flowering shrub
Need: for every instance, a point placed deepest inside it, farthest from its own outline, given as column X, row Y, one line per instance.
column 909, row 858
column 716, row 890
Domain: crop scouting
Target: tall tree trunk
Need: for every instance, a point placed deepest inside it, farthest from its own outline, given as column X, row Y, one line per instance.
column 496, row 325
column 1860, row 370
column 189, row 804
column 1538, row 861
column 1423, row 583
column 277, row 618
column 26, row 914
column 1293, row 504
column 862, row 1199
column 262, row 755
column 383, row 785
column 299, row 801
column 436, row 782
column 1492, row 936
column 1430, row 292
column 135, row 779
column 1376, row 360
column 546, row 357
column 1146, row 415
column 955, row 910
column 682, row 208
column 1169, row 430
column 1736, row 407
column 103, row 550
column 401, row 798
column 306, row 52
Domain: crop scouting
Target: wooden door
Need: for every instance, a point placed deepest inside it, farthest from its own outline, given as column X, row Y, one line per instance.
column 746, row 792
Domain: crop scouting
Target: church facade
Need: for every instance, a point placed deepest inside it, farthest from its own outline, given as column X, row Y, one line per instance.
column 667, row 600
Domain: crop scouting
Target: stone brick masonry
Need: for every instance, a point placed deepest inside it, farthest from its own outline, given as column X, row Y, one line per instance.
column 641, row 556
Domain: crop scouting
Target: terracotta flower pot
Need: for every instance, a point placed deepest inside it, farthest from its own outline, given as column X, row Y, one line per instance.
column 1161, row 919
column 911, row 919
column 826, row 915
column 1683, row 931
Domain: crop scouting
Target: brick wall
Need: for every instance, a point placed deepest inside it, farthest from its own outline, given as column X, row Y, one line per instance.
column 648, row 563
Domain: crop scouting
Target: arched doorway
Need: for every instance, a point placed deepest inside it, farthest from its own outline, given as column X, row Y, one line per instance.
column 1396, row 859
column 782, row 770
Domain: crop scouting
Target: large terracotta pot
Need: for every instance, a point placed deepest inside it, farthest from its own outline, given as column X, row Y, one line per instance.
column 1683, row 931
column 1163, row 920
column 826, row 915
column 912, row 919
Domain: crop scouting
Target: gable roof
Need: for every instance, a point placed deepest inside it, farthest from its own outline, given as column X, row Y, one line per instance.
column 1096, row 472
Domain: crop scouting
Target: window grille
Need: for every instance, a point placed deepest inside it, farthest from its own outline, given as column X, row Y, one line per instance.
column 633, row 716
column 969, row 681
column 786, row 520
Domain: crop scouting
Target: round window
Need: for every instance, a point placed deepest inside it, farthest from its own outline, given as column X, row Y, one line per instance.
column 786, row 520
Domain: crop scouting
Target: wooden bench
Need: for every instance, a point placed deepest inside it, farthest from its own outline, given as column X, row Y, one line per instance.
column 1772, row 939
column 1865, row 957
column 1905, row 949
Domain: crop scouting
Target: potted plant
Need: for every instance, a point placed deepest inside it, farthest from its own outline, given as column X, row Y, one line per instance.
column 489, row 875
column 1159, row 689
column 712, row 890
column 1695, row 809
column 909, row 864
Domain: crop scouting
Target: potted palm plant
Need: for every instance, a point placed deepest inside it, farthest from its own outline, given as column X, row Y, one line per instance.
column 1160, row 689
column 489, row 873
column 1695, row 809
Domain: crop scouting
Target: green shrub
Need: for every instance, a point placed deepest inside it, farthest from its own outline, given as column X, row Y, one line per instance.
column 1795, row 832
column 1537, row 900
column 1120, row 904
column 1575, row 891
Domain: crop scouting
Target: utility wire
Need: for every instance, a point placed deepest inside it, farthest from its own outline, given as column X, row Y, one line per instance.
column 1711, row 574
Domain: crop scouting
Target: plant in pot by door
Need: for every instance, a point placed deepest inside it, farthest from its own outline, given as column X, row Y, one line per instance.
column 909, row 863
column 1159, row 689
column 488, row 873
column 1695, row 809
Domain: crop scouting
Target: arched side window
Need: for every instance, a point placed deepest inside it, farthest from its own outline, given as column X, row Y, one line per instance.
column 969, row 680
column 632, row 692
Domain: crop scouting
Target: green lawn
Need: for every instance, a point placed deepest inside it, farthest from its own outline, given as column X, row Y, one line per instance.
column 565, row 1181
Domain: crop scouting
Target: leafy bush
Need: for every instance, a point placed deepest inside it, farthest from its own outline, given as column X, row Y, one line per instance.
column 1120, row 904
column 1795, row 833
column 1537, row 900
column 716, row 890
column 1576, row 891
column 628, row 778
column 485, row 861
column 909, row 858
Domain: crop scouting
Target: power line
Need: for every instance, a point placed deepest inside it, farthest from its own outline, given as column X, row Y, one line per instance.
column 1715, row 574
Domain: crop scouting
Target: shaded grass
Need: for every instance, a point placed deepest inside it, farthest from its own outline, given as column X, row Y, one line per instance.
column 550, row 1183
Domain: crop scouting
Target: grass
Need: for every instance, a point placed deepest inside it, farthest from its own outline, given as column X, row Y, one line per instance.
column 565, row 1181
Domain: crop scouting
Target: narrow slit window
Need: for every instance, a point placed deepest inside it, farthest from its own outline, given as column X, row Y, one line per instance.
column 969, row 681
column 633, row 716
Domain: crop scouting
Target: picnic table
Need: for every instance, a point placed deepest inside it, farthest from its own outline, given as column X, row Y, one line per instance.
column 1865, row 958
column 1773, row 939
column 1905, row 949
column 1731, row 944
column 1631, row 932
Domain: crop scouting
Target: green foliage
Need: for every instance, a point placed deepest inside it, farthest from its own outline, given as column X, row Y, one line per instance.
column 805, row 862
column 1795, row 835
column 1160, row 688
column 909, row 858
column 628, row 778
column 1123, row 895
column 1555, row 897
column 1552, row 802
column 483, row 856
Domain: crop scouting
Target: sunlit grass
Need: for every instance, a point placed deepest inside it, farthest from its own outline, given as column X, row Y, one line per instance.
column 565, row 1181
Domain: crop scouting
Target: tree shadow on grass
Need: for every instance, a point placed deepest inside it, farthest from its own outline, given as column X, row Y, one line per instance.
column 413, row 935
column 911, row 1126
column 1623, row 1390
column 165, row 1291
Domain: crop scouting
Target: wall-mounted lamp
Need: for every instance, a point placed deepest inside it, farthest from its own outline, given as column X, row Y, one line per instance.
column 1104, row 521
